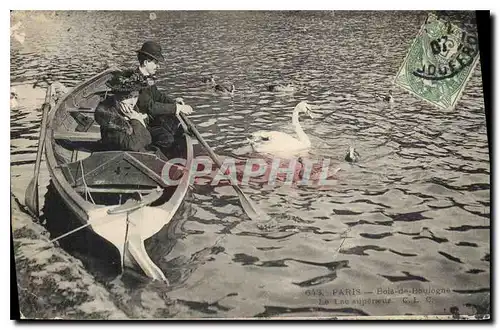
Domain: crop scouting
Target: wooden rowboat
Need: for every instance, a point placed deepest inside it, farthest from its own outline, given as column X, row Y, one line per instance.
column 120, row 195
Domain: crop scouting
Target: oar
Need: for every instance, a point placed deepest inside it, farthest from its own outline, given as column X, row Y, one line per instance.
column 246, row 203
column 31, row 195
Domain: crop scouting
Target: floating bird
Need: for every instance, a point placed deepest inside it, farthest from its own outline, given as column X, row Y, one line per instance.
column 13, row 97
column 389, row 98
column 277, row 142
column 208, row 80
column 281, row 88
column 152, row 16
column 224, row 89
column 352, row 155
column 38, row 82
column 386, row 98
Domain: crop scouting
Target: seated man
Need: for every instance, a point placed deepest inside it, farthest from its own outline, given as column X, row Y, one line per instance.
column 122, row 127
column 164, row 125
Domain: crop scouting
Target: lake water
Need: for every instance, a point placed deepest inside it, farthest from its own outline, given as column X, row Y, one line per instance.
column 413, row 215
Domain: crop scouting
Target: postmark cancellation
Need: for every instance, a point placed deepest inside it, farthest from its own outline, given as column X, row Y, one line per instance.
column 439, row 62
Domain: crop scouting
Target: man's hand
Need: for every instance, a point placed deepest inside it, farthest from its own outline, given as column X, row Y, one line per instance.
column 125, row 108
column 184, row 108
column 137, row 116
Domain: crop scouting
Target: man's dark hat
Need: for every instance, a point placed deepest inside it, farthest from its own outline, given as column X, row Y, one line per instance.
column 153, row 50
column 126, row 81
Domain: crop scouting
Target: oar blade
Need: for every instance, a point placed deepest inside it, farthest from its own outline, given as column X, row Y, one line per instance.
column 249, row 207
column 31, row 198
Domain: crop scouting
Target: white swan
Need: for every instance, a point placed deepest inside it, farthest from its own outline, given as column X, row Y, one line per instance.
column 277, row 142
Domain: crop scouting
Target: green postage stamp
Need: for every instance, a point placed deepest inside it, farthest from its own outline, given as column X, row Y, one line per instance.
column 439, row 62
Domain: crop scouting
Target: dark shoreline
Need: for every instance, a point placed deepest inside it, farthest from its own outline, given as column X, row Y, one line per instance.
column 51, row 283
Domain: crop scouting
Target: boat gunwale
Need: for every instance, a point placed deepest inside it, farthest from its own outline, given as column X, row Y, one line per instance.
column 78, row 204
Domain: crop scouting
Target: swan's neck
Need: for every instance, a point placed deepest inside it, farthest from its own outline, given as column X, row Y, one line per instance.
column 298, row 129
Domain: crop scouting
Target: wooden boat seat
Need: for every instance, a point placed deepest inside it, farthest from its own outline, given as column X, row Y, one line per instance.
column 81, row 110
column 78, row 136
column 82, row 141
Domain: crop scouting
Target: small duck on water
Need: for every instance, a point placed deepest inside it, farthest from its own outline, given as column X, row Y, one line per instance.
column 224, row 89
column 208, row 80
column 281, row 88
column 41, row 82
column 386, row 98
column 352, row 155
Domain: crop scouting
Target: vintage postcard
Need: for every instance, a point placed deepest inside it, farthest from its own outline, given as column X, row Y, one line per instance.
column 249, row 165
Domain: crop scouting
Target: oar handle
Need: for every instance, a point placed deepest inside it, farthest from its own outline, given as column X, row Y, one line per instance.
column 197, row 134
column 43, row 128
column 48, row 95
